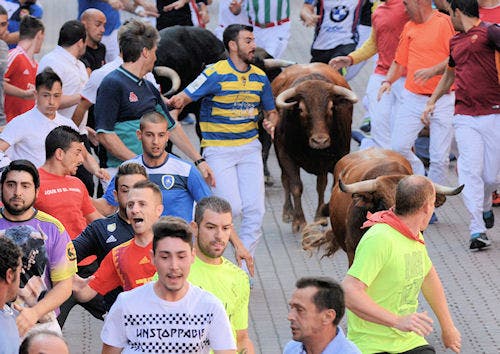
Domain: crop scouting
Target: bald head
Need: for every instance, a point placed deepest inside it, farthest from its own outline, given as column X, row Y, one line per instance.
column 44, row 342
column 94, row 21
column 412, row 193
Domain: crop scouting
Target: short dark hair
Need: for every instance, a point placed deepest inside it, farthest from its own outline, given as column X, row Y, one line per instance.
column 71, row 32
column 25, row 345
column 135, row 35
column 171, row 226
column 21, row 165
column 60, row 138
column 412, row 193
column 216, row 204
column 129, row 168
column 46, row 78
column 10, row 254
column 329, row 295
column 29, row 27
column 469, row 8
column 231, row 33
column 151, row 117
column 3, row 11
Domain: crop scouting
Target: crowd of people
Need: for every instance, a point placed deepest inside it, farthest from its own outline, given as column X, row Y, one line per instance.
column 97, row 212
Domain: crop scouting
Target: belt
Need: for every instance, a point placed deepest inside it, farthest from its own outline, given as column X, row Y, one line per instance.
column 270, row 24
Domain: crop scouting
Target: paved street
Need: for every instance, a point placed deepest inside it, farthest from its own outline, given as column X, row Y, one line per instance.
column 471, row 280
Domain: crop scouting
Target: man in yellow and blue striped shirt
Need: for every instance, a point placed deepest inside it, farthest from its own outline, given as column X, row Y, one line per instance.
column 232, row 92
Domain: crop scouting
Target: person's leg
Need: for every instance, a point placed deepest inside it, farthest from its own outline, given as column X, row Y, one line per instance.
column 251, row 187
column 441, row 134
column 406, row 127
column 273, row 39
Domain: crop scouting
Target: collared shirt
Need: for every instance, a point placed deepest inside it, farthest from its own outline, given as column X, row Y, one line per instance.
column 72, row 73
column 339, row 345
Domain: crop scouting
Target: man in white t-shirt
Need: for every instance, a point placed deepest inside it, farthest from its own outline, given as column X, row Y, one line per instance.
column 170, row 315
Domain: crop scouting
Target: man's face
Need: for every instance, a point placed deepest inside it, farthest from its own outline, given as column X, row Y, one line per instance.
column 39, row 38
column 303, row 315
column 18, row 193
column 94, row 26
column 124, row 184
column 150, row 58
column 154, row 138
column 72, row 158
column 143, row 209
column 245, row 43
column 49, row 100
column 173, row 258
column 3, row 24
column 213, row 233
column 455, row 19
column 411, row 7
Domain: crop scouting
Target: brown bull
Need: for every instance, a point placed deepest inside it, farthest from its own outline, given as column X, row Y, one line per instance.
column 315, row 104
column 365, row 181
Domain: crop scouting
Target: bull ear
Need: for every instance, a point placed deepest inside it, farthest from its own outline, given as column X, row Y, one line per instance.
column 362, row 200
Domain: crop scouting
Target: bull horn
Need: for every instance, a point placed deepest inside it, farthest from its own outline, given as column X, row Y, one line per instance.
column 171, row 74
column 367, row 186
column 448, row 190
column 342, row 91
column 277, row 63
column 281, row 100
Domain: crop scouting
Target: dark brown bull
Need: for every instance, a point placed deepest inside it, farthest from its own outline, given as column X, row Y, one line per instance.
column 315, row 105
column 365, row 181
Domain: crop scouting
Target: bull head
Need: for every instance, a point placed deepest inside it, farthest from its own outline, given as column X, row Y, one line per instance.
column 171, row 74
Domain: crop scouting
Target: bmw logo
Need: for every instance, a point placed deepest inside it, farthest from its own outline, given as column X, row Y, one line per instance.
column 339, row 13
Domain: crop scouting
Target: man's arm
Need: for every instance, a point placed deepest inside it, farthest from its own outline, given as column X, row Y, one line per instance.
column 241, row 253
column 108, row 349
column 308, row 16
column 93, row 167
column 243, row 342
column 270, row 121
column 113, row 144
column 443, row 87
column 28, row 94
column 93, row 216
column 433, row 291
column 29, row 316
column 69, row 100
column 422, row 75
column 395, row 72
column 81, row 109
column 81, row 289
column 103, row 206
column 358, row 301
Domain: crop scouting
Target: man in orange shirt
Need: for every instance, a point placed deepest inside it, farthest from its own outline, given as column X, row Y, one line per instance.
column 423, row 50
column 129, row 264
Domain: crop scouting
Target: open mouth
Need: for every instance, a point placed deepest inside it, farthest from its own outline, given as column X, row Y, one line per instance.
column 138, row 221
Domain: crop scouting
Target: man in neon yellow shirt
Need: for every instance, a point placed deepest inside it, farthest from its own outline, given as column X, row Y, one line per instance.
column 390, row 267
column 212, row 225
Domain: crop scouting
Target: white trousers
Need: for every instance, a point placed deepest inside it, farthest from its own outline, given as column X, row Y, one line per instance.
column 478, row 140
column 407, row 125
column 382, row 113
column 239, row 178
column 273, row 39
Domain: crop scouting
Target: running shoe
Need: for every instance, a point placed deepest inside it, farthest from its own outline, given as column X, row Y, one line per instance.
column 478, row 241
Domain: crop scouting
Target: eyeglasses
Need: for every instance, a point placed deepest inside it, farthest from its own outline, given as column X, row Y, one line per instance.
column 3, row 24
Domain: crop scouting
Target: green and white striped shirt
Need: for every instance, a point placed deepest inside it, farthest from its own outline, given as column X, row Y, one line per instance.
column 266, row 13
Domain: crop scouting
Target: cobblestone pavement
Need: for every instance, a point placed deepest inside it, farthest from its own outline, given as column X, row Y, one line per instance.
column 471, row 280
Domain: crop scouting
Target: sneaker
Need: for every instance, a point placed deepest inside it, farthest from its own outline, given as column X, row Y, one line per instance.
column 496, row 199
column 478, row 241
column 366, row 126
column 489, row 219
column 434, row 219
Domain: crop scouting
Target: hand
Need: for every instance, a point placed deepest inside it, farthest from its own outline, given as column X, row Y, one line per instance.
column 101, row 173
column 385, row 87
column 241, row 253
column 418, row 322
column 204, row 15
column 26, row 319
column 93, row 136
column 269, row 127
column 421, row 76
column 29, row 93
column 427, row 114
column 175, row 5
column 310, row 19
column 235, row 7
column 338, row 63
column 116, row 4
column 175, row 102
column 207, row 173
column 452, row 339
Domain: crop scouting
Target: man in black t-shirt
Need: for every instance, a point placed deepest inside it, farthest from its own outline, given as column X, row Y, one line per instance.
column 94, row 21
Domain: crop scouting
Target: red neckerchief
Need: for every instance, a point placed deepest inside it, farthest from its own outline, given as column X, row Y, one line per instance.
column 388, row 217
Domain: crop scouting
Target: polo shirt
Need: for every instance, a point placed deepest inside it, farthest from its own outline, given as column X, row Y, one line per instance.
column 338, row 345
column 26, row 135
column 122, row 99
column 72, row 73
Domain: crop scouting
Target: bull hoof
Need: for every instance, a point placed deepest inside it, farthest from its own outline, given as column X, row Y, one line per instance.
column 322, row 220
column 287, row 217
column 269, row 181
column 298, row 226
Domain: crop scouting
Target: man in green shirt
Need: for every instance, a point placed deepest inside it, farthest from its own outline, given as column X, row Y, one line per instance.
column 390, row 267
column 210, row 271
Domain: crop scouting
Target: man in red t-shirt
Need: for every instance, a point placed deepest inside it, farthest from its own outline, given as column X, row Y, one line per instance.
column 22, row 67
column 129, row 264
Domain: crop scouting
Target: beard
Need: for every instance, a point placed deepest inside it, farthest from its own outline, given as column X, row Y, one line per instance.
column 208, row 252
column 16, row 210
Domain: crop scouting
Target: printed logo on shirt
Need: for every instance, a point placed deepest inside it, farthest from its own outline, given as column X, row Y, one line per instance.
column 144, row 260
column 132, row 97
column 167, row 181
column 196, row 84
column 26, row 72
column 70, row 252
column 111, row 239
column 111, row 227
column 473, row 38
column 339, row 13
